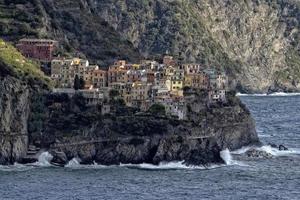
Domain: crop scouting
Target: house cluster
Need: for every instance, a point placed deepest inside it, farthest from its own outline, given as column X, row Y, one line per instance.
column 144, row 84
column 140, row 85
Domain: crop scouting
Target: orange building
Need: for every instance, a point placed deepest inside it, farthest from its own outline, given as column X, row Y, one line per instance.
column 99, row 78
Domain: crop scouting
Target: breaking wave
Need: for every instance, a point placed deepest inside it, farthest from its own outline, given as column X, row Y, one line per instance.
column 75, row 162
column 167, row 166
column 275, row 94
column 227, row 157
column 44, row 160
column 268, row 149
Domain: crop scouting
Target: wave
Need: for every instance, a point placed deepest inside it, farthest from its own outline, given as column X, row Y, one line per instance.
column 75, row 162
column 44, row 160
column 276, row 94
column 168, row 166
column 15, row 167
column 227, row 157
column 268, row 149
column 276, row 152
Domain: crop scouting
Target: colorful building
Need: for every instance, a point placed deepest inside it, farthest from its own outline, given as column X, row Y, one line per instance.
column 39, row 49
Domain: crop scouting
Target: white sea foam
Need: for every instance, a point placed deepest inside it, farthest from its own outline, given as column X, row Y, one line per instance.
column 15, row 167
column 169, row 166
column 268, row 149
column 44, row 160
column 226, row 156
column 276, row 94
column 276, row 152
column 75, row 162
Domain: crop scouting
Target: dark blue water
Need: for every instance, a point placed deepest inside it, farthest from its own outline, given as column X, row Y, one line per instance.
column 278, row 121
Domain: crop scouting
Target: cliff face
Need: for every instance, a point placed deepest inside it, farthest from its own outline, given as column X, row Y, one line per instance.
column 72, row 130
column 256, row 41
column 14, row 110
column 20, row 79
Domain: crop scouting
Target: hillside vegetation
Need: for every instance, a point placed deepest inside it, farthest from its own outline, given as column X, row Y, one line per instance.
column 256, row 41
column 14, row 64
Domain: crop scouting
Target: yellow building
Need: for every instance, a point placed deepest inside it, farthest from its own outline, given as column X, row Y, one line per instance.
column 64, row 71
column 174, row 80
column 199, row 80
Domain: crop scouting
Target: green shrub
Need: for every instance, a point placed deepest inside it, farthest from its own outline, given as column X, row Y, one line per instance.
column 157, row 109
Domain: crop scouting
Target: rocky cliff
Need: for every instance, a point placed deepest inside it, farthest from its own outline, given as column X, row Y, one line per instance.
column 256, row 41
column 73, row 130
column 66, row 127
column 20, row 80
column 14, row 110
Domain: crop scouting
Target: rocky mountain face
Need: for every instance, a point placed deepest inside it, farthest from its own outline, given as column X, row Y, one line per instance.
column 72, row 130
column 256, row 41
column 14, row 111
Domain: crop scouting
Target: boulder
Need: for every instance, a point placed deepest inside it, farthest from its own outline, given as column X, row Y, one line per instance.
column 282, row 148
column 59, row 158
column 254, row 153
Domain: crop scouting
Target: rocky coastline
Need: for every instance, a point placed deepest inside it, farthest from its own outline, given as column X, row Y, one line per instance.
column 67, row 128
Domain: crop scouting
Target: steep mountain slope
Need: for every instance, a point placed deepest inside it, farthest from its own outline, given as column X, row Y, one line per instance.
column 256, row 41
column 72, row 23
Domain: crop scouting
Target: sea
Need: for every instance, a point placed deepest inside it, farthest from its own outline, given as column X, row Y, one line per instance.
column 277, row 120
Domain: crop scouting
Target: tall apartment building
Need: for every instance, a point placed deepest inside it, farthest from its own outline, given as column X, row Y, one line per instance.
column 39, row 49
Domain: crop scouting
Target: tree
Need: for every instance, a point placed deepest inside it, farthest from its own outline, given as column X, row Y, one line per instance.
column 113, row 93
column 81, row 83
column 157, row 109
column 76, row 83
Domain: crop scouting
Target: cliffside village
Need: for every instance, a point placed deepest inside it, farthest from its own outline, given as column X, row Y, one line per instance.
column 140, row 85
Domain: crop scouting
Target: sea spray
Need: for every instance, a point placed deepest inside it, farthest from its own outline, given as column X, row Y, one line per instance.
column 176, row 165
column 74, row 163
column 268, row 149
column 226, row 156
column 276, row 94
column 44, row 159
column 276, row 152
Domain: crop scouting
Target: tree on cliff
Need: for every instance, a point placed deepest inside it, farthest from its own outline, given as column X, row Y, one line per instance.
column 157, row 109
column 77, row 83
column 81, row 83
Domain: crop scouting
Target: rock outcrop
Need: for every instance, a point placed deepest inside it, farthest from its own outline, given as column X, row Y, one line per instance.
column 72, row 130
column 14, row 111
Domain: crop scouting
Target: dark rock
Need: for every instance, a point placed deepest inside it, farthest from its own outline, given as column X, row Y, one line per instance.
column 28, row 160
column 273, row 145
column 282, row 148
column 254, row 153
column 59, row 158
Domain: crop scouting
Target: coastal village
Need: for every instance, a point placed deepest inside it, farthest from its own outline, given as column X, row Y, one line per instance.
column 140, row 85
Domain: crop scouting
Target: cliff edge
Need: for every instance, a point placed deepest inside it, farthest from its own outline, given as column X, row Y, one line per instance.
column 31, row 116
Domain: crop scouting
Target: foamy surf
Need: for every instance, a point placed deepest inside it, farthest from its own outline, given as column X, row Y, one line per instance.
column 15, row 167
column 268, row 149
column 75, row 162
column 275, row 94
column 178, row 165
column 276, row 152
column 227, row 157
column 44, row 160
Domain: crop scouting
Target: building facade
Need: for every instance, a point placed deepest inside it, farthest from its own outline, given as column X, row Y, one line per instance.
column 38, row 49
